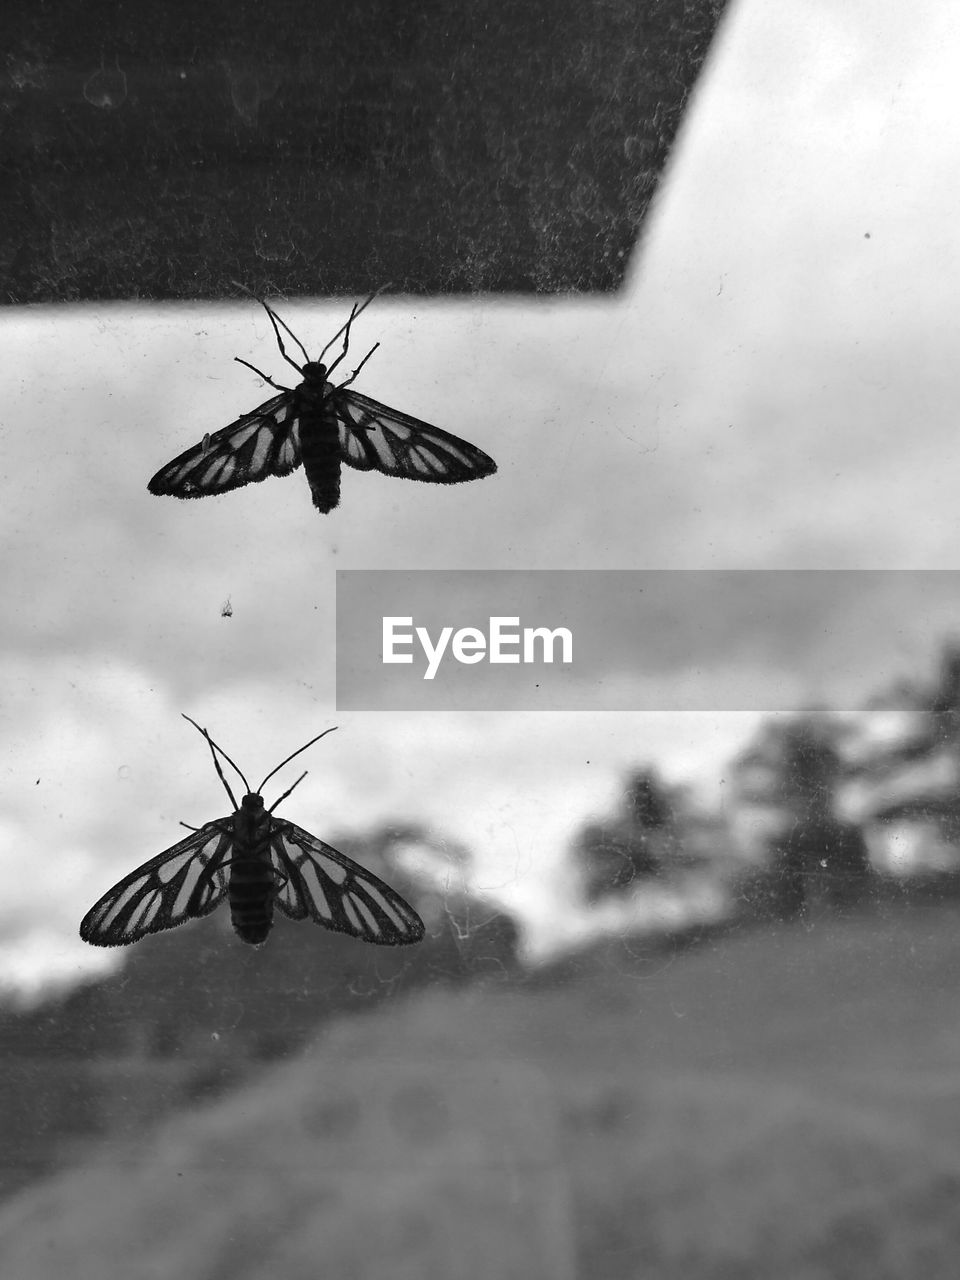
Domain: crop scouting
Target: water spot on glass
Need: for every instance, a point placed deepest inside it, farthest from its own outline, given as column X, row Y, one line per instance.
column 250, row 86
column 106, row 88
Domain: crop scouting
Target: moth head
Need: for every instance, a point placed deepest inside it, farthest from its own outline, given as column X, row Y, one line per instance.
column 252, row 802
column 314, row 371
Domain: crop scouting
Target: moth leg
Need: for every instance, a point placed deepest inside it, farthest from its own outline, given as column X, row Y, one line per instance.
column 354, row 312
column 353, row 376
column 260, row 374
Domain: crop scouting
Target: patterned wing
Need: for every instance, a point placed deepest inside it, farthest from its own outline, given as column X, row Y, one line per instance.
column 263, row 443
column 328, row 887
column 375, row 438
column 182, row 883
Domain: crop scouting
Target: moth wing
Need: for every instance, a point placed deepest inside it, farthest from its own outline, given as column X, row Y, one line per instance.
column 374, row 437
column 263, row 443
column 183, row 883
column 318, row 883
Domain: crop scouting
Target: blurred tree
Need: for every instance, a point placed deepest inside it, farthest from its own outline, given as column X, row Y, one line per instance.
column 933, row 709
column 944, row 699
column 907, row 779
column 633, row 845
column 795, row 768
column 647, row 804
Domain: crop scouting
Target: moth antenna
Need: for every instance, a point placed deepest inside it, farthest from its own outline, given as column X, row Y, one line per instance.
column 216, row 764
column 273, row 320
column 273, row 315
column 188, row 826
column 213, row 751
column 292, row 756
column 249, row 292
column 289, row 789
column 376, row 294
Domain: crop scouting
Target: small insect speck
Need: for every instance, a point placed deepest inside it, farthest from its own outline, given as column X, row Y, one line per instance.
column 226, row 609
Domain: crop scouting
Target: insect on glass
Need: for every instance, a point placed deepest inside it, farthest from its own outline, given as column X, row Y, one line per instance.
column 321, row 425
column 256, row 862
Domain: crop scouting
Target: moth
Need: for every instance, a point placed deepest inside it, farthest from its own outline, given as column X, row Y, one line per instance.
column 320, row 425
column 255, row 862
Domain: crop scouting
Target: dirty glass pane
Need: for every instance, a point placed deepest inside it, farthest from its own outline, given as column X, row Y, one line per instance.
column 685, row 1003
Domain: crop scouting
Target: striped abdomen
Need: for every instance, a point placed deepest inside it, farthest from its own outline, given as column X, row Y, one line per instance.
column 320, row 441
column 252, row 887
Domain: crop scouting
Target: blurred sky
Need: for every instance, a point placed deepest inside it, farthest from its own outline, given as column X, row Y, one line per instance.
column 775, row 387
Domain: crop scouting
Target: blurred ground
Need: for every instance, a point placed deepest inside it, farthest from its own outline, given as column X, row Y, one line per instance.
column 781, row 1102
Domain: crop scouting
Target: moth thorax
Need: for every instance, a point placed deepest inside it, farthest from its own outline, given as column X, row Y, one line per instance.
column 252, row 821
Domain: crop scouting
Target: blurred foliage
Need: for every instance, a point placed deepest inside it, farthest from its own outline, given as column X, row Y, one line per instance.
column 943, row 704
column 797, row 764
column 909, row 782
column 795, row 767
column 637, row 842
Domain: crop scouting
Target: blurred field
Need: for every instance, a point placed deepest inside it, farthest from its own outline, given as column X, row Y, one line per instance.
column 782, row 1102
